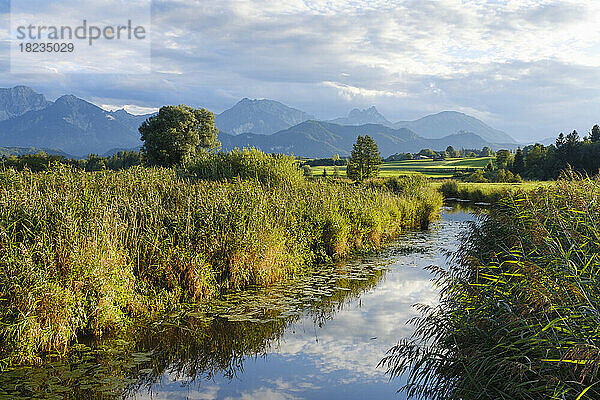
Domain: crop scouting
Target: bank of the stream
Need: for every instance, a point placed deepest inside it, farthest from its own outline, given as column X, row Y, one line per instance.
column 520, row 307
column 315, row 336
column 86, row 254
column 489, row 193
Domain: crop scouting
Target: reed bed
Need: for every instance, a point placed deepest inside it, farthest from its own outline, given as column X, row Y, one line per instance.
column 86, row 254
column 486, row 192
column 519, row 316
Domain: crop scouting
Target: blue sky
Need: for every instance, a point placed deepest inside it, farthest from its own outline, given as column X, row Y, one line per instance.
column 529, row 67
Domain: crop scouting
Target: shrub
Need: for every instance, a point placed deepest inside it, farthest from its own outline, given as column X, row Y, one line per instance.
column 450, row 189
column 307, row 171
column 270, row 170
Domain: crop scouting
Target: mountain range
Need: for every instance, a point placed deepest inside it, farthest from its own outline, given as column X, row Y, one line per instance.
column 324, row 139
column 74, row 126
column 268, row 117
column 451, row 122
column 69, row 124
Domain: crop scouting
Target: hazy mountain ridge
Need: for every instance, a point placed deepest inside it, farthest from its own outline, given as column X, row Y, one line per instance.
column 446, row 123
column 324, row 139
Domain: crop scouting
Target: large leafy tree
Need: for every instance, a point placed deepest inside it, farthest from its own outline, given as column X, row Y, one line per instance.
column 365, row 159
column 450, row 152
column 486, row 152
column 174, row 135
column 503, row 159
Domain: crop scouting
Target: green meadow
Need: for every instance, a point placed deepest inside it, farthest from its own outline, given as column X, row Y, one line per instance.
column 429, row 168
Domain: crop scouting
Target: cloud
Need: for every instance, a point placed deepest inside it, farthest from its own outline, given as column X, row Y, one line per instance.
column 351, row 344
column 339, row 355
column 264, row 394
column 130, row 108
column 512, row 62
column 348, row 91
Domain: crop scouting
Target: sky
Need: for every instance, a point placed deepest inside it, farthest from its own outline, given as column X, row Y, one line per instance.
column 528, row 67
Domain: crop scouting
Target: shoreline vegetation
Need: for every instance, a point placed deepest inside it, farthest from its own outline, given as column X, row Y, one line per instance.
column 83, row 255
column 519, row 310
column 487, row 192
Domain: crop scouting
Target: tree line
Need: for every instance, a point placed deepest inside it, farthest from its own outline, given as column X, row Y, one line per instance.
column 450, row 152
column 41, row 161
column 539, row 162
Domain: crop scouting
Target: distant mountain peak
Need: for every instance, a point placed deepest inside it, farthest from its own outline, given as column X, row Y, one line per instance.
column 120, row 111
column 69, row 98
column 262, row 116
column 361, row 117
column 72, row 125
column 18, row 100
column 371, row 111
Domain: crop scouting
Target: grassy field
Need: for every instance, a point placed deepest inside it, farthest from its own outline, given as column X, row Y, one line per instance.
column 429, row 168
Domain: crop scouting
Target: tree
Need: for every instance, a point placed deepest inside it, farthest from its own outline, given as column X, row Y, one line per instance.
column 450, row 152
column 307, row 171
column 519, row 163
column 560, row 140
column 503, row 159
column 595, row 134
column 477, row 176
column 365, row 159
column 174, row 135
column 486, row 152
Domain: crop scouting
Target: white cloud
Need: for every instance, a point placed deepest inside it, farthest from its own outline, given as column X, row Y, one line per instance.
column 129, row 53
column 264, row 394
column 348, row 91
column 130, row 108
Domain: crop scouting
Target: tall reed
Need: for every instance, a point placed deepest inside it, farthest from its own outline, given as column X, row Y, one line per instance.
column 519, row 316
column 87, row 253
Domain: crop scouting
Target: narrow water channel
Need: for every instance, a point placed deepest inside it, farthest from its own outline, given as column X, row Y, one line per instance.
column 320, row 337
